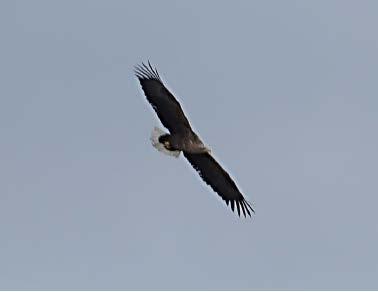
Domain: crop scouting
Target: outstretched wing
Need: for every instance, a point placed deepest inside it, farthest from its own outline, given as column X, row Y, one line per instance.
column 219, row 180
column 163, row 102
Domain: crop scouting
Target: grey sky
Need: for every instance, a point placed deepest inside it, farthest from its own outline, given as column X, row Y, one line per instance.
column 284, row 92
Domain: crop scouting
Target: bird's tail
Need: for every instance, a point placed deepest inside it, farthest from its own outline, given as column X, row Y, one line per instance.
column 156, row 133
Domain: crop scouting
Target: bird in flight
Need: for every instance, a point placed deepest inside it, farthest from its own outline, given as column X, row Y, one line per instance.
column 181, row 138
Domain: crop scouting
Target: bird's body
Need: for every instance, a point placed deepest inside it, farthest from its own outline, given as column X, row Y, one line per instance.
column 183, row 139
column 187, row 141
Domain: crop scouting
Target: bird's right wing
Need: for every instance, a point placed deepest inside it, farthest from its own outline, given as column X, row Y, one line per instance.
column 163, row 102
column 219, row 180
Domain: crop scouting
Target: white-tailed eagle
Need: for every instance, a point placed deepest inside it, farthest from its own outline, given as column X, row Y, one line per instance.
column 181, row 137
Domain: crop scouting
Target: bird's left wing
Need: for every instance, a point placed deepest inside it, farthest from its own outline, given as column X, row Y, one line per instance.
column 163, row 102
column 219, row 180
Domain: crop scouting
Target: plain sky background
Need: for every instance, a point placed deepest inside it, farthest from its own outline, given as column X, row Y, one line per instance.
column 284, row 92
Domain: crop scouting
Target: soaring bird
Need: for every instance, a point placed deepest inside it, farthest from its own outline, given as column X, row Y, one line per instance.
column 182, row 138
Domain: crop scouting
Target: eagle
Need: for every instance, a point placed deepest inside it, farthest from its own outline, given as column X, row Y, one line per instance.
column 182, row 138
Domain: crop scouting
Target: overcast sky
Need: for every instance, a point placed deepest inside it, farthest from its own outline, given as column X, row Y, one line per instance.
column 284, row 92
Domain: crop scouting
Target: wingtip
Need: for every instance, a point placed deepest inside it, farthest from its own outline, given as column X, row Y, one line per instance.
column 248, row 205
column 243, row 207
column 143, row 71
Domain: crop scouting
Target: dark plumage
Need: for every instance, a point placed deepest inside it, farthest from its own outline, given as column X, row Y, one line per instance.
column 163, row 102
column 219, row 180
column 182, row 138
